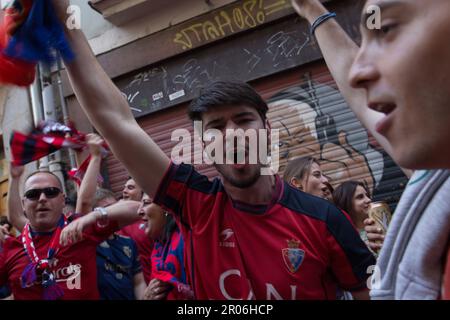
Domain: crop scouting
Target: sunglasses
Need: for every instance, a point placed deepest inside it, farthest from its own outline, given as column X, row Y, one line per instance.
column 35, row 194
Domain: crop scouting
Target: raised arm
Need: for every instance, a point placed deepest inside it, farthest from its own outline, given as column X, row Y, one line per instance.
column 88, row 186
column 122, row 212
column 110, row 113
column 339, row 52
column 15, row 210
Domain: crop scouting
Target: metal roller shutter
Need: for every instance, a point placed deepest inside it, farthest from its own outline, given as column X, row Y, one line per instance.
column 313, row 119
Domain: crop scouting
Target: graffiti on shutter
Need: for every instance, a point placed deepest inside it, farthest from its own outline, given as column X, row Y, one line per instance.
column 314, row 120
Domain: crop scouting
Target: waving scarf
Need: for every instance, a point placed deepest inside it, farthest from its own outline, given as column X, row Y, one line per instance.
column 45, row 139
column 31, row 33
column 49, row 137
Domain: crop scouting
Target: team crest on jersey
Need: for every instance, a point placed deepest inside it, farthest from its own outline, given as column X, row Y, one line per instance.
column 127, row 251
column 293, row 255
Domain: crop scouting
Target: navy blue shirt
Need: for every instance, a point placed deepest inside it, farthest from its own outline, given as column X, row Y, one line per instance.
column 117, row 264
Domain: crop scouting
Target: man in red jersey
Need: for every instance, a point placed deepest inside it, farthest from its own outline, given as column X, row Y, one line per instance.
column 36, row 265
column 248, row 235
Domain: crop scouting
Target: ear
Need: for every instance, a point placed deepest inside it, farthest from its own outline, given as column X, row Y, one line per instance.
column 296, row 183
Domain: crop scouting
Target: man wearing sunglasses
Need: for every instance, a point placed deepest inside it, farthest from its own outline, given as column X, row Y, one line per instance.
column 37, row 265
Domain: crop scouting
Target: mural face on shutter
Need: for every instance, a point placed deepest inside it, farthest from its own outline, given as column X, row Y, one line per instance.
column 313, row 120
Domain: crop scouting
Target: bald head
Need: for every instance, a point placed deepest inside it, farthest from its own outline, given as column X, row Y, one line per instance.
column 50, row 174
column 43, row 206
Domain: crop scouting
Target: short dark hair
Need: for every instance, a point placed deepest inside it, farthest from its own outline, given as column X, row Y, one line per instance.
column 222, row 93
column 343, row 195
column 47, row 172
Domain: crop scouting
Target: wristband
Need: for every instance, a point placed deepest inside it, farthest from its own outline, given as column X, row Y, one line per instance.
column 103, row 220
column 321, row 19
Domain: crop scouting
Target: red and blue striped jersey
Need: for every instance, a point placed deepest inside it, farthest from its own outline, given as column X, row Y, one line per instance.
column 298, row 247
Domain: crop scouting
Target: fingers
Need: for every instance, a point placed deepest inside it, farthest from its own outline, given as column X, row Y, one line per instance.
column 374, row 229
column 71, row 234
column 63, row 237
column 369, row 222
column 375, row 246
column 375, row 237
column 16, row 170
column 95, row 143
column 157, row 290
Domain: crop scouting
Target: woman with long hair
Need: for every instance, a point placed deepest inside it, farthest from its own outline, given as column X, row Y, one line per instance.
column 354, row 198
column 168, row 279
column 305, row 174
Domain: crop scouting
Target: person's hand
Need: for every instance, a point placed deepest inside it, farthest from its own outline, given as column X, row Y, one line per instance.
column 16, row 171
column 157, row 290
column 73, row 232
column 375, row 235
column 4, row 233
column 94, row 142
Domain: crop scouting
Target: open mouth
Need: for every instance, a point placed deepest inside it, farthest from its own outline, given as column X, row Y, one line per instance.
column 385, row 123
column 385, row 108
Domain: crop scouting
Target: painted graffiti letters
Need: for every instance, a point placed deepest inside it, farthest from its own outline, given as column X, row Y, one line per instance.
column 246, row 15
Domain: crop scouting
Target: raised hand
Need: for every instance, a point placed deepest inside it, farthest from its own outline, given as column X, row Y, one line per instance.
column 157, row 290
column 94, row 142
column 73, row 232
column 16, row 171
column 375, row 235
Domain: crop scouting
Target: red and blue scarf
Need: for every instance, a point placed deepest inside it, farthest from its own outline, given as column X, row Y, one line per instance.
column 41, row 269
column 46, row 138
column 30, row 33
column 168, row 266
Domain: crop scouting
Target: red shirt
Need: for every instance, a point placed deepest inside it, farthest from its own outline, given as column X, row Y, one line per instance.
column 75, row 269
column 298, row 247
column 136, row 231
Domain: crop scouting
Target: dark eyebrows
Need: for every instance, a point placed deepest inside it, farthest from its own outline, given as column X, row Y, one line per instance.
column 244, row 114
column 217, row 121
column 383, row 5
column 213, row 123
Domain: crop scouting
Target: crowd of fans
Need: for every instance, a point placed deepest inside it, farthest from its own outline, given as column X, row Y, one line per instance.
column 174, row 234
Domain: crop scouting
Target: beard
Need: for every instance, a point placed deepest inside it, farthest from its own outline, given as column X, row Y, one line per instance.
column 241, row 179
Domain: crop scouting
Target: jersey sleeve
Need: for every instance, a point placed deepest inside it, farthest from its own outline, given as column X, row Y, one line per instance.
column 350, row 257
column 99, row 234
column 187, row 194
